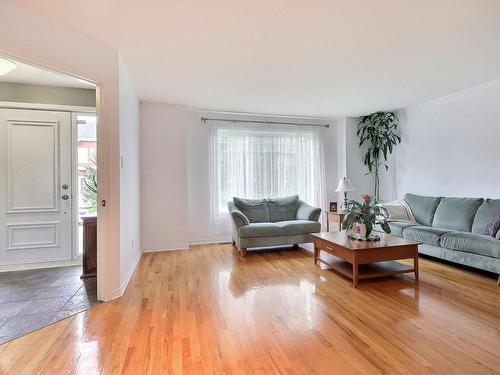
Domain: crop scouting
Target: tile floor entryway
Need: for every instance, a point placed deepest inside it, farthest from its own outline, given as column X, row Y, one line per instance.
column 35, row 298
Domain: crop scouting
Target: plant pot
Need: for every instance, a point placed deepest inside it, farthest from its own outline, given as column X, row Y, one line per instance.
column 360, row 230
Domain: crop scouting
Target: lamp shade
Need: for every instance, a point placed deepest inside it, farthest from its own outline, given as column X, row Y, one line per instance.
column 345, row 185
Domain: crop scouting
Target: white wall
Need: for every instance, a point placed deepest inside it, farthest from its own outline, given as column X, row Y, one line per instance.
column 333, row 158
column 129, row 177
column 450, row 146
column 163, row 177
column 175, row 194
column 356, row 170
column 199, row 228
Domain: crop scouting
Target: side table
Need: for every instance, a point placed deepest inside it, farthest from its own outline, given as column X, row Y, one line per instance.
column 336, row 217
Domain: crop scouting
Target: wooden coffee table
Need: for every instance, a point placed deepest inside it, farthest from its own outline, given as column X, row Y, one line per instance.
column 366, row 259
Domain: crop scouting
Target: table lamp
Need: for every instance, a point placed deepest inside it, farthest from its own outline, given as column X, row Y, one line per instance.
column 345, row 186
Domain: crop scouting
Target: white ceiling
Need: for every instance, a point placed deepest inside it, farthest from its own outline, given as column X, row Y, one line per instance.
column 295, row 57
column 36, row 76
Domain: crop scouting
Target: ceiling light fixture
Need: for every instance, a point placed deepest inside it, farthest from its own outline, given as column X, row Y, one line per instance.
column 6, row 66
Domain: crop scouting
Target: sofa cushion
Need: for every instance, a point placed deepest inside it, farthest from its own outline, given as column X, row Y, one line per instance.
column 397, row 227
column 471, row 243
column 260, row 230
column 423, row 208
column 293, row 227
column 256, row 210
column 486, row 212
column 284, row 208
column 424, row 234
column 456, row 213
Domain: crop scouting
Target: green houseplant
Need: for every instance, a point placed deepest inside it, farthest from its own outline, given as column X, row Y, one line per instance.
column 379, row 133
column 89, row 189
column 369, row 213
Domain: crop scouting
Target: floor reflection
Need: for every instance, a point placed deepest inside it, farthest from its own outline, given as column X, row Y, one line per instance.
column 32, row 299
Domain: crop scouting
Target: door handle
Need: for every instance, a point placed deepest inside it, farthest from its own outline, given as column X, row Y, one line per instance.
column 65, row 197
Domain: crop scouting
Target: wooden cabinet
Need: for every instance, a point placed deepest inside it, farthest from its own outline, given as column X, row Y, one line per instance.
column 89, row 246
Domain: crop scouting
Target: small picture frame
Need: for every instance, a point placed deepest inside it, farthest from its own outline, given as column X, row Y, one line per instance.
column 333, row 207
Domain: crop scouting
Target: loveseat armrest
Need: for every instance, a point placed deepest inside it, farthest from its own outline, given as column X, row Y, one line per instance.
column 306, row 212
column 237, row 216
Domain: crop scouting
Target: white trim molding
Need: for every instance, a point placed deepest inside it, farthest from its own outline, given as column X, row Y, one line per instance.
column 131, row 271
column 35, row 266
column 48, row 107
column 154, row 249
column 210, row 241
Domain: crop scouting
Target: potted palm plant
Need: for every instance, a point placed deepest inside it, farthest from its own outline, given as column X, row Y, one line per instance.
column 89, row 189
column 363, row 217
column 378, row 134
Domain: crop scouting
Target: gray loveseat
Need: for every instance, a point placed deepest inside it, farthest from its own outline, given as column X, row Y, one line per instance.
column 272, row 222
column 452, row 229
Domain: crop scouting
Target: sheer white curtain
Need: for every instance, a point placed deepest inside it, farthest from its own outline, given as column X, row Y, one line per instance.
column 259, row 161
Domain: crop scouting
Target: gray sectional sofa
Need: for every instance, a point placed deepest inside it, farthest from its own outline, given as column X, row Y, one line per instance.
column 272, row 222
column 452, row 229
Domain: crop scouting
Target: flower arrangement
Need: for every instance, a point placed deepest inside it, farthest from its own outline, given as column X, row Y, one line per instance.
column 369, row 213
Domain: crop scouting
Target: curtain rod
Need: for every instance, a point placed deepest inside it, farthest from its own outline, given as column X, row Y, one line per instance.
column 205, row 119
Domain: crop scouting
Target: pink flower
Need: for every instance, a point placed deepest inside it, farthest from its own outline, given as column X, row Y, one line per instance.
column 366, row 197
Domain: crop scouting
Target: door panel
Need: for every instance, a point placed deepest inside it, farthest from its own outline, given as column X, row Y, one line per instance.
column 32, row 166
column 35, row 219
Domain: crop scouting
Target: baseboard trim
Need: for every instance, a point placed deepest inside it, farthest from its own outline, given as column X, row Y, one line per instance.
column 35, row 266
column 131, row 271
column 115, row 294
column 209, row 241
column 154, row 249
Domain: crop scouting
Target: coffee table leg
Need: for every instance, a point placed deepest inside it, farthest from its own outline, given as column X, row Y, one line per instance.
column 316, row 254
column 355, row 274
column 415, row 262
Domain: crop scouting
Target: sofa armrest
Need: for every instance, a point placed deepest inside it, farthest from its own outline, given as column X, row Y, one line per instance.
column 237, row 216
column 498, row 235
column 306, row 212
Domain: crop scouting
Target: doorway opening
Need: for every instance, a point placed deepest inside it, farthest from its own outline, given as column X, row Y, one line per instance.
column 48, row 214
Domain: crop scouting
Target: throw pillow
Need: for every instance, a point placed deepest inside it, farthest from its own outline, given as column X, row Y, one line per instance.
column 492, row 227
column 256, row 210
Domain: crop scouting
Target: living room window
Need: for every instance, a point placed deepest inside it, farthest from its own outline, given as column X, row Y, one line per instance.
column 260, row 161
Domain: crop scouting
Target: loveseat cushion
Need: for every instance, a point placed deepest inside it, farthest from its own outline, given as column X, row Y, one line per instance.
column 293, row 227
column 423, row 208
column 471, row 243
column 456, row 213
column 260, row 230
column 486, row 212
column 427, row 235
column 256, row 210
column 397, row 227
column 284, row 208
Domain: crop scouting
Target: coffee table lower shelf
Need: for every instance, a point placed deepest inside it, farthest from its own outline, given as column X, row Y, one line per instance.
column 367, row 271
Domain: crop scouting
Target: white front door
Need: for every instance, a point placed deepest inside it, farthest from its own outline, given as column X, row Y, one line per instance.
column 35, row 186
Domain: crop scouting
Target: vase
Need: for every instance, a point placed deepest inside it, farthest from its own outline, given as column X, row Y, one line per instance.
column 360, row 230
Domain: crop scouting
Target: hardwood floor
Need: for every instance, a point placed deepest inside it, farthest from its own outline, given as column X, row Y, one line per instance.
column 206, row 311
